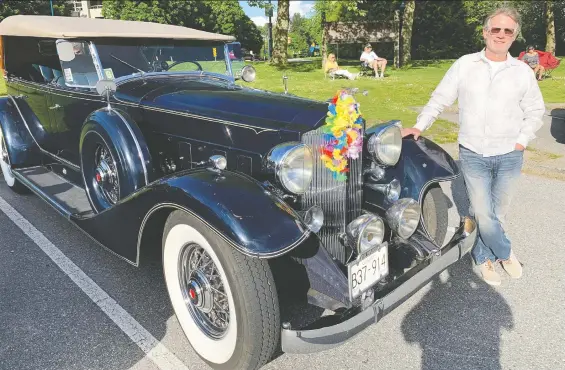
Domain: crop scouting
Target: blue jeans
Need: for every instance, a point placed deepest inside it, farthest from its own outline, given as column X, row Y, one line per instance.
column 490, row 183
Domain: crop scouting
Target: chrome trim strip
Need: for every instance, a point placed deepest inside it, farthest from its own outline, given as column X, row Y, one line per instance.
column 139, row 152
column 228, row 61
column 158, row 206
column 72, row 165
column 256, row 129
column 96, row 60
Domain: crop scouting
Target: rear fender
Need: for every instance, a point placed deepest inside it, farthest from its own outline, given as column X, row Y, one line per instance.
column 421, row 164
column 22, row 149
column 239, row 209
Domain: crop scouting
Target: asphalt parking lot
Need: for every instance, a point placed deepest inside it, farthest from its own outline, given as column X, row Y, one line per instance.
column 54, row 314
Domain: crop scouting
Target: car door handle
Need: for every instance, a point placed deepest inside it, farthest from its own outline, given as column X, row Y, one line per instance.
column 56, row 106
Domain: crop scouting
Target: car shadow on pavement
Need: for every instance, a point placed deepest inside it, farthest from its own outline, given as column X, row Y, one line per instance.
column 458, row 322
column 557, row 128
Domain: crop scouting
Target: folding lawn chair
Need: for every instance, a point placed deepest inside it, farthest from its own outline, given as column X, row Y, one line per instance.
column 547, row 61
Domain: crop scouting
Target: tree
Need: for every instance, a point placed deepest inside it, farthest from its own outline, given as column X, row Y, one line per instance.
column 332, row 11
column 187, row 13
column 280, row 46
column 228, row 18
column 407, row 23
column 549, row 27
column 34, row 7
column 225, row 17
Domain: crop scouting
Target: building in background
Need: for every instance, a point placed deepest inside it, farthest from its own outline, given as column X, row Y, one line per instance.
column 87, row 8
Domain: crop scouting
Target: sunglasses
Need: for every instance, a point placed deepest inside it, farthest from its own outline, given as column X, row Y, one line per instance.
column 496, row 31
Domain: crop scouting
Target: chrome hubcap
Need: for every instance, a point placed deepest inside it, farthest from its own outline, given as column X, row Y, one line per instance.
column 105, row 175
column 203, row 291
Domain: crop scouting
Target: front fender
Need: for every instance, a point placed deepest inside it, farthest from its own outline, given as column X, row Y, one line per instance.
column 241, row 210
column 421, row 163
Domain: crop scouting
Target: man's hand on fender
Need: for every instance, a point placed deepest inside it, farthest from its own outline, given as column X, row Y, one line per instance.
column 410, row 131
column 519, row 147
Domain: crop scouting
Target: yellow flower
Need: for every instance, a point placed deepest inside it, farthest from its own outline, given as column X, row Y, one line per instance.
column 337, row 154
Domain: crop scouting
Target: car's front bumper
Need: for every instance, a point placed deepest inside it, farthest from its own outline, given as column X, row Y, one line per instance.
column 315, row 340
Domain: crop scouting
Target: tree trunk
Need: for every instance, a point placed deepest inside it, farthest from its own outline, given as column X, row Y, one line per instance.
column 324, row 50
column 549, row 27
column 407, row 22
column 396, row 28
column 281, row 36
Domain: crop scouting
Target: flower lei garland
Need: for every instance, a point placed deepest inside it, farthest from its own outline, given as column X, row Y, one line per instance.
column 343, row 136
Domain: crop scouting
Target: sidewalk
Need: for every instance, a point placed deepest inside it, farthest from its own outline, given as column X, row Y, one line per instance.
column 546, row 153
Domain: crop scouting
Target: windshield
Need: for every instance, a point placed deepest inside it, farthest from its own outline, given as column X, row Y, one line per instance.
column 124, row 60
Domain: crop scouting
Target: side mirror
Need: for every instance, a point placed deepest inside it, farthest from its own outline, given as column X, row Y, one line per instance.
column 106, row 87
column 248, row 73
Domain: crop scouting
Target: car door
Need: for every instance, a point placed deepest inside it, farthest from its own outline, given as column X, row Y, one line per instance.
column 72, row 98
column 32, row 78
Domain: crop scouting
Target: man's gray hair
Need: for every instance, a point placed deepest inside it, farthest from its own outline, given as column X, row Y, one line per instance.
column 507, row 11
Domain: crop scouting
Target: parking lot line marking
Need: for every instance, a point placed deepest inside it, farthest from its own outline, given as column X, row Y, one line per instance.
column 153, row 349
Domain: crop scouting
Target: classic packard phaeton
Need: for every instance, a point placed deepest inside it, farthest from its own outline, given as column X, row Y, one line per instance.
column 140, row 136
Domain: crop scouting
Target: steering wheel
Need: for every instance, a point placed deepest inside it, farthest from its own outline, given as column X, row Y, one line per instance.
column 169, row 66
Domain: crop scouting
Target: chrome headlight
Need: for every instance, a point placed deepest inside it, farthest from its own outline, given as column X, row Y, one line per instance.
column 292, row 164
column 365, row 232
column 248, row 73
column 385, row 144
column 403, row 217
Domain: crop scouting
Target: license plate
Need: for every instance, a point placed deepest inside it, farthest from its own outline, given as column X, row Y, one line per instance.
column 367, row 270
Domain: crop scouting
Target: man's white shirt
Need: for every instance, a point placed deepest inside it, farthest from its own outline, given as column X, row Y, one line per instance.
column 369, row 57
column 500, row 103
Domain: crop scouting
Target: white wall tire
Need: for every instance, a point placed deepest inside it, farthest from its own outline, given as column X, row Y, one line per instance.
column 252, row 334
column 9, row 177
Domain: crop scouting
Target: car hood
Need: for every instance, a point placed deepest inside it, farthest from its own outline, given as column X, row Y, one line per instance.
column 203, row 96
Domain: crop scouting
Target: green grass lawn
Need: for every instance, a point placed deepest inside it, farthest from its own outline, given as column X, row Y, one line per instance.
column 387, row 99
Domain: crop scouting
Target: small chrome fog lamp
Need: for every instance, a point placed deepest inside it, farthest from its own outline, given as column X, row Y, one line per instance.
column 390, row 190
column 219, row 162
column 248, row 73
column 403, row 217
column 365, row 232
column 313, row 218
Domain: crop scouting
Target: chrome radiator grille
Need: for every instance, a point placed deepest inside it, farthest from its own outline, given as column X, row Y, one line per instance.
column 340, row 200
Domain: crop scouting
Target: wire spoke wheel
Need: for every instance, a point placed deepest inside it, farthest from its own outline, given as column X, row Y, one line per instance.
column 106, row 174
column 203, row 291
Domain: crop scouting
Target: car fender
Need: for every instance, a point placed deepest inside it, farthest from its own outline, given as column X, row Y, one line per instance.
column 126, row 136
column 22, row 149
column 422, row 163
column 238, row 208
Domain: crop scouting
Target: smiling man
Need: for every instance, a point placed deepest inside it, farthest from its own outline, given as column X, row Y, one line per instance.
column 500, row 109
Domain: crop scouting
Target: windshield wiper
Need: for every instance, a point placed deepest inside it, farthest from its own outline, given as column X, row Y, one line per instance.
column 127, row 64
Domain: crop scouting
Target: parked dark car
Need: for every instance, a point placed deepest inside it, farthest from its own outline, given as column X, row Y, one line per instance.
column 139, row 135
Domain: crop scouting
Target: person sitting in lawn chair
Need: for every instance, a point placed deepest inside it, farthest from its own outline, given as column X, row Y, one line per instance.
column 540, row 61
column 531, row 58
column 372, row 60
column 333, row 69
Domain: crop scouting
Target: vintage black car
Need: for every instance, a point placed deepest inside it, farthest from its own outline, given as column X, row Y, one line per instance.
column 139, row 134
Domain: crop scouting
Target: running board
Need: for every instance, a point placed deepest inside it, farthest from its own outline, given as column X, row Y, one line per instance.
column 62, row 195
